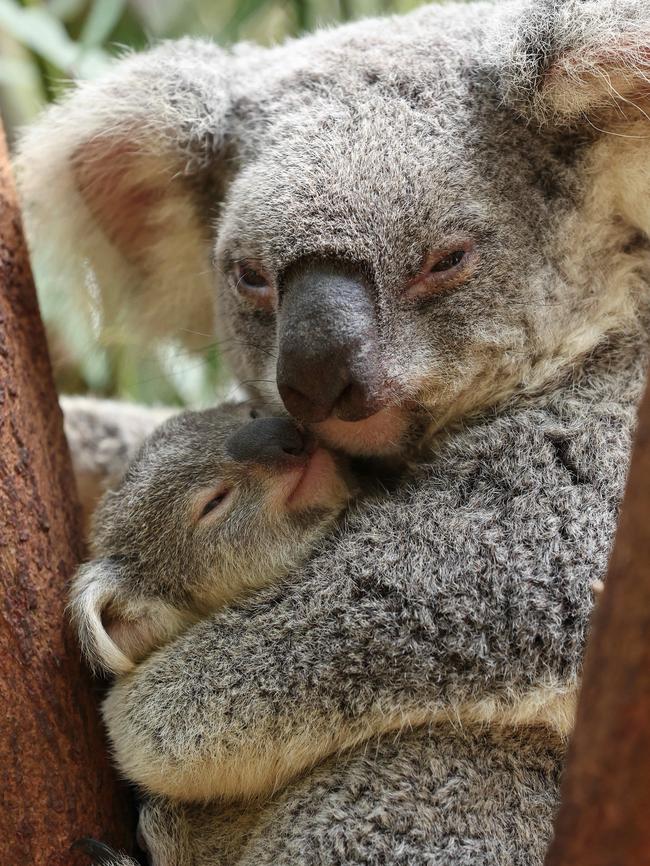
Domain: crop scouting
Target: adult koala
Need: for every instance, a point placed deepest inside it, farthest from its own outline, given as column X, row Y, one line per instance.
column 428, row 235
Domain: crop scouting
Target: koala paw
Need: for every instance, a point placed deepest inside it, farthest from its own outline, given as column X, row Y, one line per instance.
column 102, row 854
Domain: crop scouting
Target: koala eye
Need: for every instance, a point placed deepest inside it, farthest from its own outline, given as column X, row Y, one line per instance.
column 250, row 277
column 216, row 501
column 253, row 284
column 448, row 262
column 444, row 269
column 253, row 414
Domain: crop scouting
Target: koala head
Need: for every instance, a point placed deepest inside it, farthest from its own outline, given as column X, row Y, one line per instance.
column 215, row 505
column 403, row 222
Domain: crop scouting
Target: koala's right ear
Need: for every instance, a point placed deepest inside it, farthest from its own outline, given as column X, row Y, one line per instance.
column 119, row 180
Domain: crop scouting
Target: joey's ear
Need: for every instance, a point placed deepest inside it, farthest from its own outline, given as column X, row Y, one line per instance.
column 115, row 631
column 580, row 60
column 94, row 589
column 121, row 180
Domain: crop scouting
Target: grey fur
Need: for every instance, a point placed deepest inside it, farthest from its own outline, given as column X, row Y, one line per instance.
column 103, row 437
column 467, row 592
column 431, row 599
column 501, row 787
column 416, row 800
column 440, row 796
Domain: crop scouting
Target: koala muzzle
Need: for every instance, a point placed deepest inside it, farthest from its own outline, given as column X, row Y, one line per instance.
column 271, row 442
column 329, row 351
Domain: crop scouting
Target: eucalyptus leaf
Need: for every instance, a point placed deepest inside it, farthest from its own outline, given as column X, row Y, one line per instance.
column 102, row 20
column 16, row 72
column 40, row 31
column 66, row 10
column 245, row 9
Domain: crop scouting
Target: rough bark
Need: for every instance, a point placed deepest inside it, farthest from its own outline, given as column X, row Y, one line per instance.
column 604, row 819
column 57, row 784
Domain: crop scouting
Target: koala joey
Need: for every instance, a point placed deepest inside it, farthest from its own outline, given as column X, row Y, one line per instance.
column 215, row 505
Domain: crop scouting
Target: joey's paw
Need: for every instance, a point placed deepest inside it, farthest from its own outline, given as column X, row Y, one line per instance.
column 102, row 854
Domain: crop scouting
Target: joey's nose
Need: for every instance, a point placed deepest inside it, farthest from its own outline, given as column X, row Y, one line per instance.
column 328, row 348
column 272, row 442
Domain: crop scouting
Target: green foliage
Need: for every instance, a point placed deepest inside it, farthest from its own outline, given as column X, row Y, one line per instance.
column 46, row 43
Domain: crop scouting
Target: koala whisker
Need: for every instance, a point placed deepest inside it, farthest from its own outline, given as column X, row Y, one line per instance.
column 149, row 379
column 270, row 382
column 230, row 341
column 196, row 333
column 615, row 134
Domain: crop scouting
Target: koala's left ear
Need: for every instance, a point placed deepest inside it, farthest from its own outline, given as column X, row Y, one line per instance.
column 116, row 631
column 574, row 60
column 585, row 64
column 94, row 589
column 121, row 182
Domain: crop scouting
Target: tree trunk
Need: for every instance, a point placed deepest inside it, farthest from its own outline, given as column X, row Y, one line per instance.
column 57, row 783
column 604, row 819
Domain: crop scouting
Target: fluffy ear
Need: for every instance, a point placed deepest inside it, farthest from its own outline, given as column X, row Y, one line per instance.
column 585, row 64
column 121, row 180
column 115, row 631
column 94, row 589
column 573, row 60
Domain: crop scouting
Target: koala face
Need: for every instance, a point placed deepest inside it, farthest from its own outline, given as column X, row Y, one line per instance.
column 216, row 504
column 382, row 289
column 407, row 222
column 391, row 249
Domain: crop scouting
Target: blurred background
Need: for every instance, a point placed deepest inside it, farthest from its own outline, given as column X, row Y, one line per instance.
column 46, row 44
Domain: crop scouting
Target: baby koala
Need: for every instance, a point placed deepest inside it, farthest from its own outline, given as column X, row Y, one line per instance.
column 215, row 505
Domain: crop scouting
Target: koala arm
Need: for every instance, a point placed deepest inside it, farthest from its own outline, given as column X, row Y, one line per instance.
column 102, row 854
column 465, row 592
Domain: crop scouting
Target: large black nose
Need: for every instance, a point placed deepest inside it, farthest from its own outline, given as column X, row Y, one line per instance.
column 328, row 353
column 269, row 442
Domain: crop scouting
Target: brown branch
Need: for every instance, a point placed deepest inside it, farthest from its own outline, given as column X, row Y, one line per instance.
column 604, row 819
column 57, row 784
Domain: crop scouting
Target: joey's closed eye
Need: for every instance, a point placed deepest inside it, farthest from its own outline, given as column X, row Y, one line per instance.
column 217, row 499
column 444, row 269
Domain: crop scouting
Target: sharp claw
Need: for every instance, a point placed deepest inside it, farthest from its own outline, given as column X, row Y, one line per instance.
column 101, row 854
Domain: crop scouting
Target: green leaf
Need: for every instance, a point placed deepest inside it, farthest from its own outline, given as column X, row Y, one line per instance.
column 38, row 30
column 346, row 10
column 101, row 21
column 66, row 10
column 16, row 72
column 245, row 9
column 302, row 13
